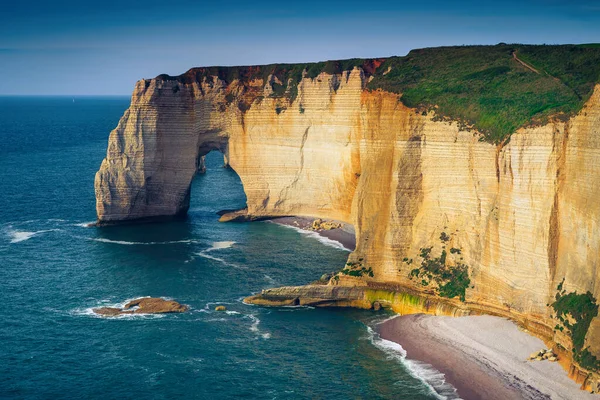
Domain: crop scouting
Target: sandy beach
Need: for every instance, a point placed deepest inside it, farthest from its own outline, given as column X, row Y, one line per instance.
column 483, row 357
column 344, row 235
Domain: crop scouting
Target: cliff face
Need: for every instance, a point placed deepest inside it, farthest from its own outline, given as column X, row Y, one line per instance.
column 428, row 199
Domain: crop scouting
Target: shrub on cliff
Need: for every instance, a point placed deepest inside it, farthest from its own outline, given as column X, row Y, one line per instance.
column 575, row 313
column 451, row 277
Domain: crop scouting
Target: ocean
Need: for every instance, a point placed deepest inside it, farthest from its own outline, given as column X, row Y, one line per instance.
column 54, row 269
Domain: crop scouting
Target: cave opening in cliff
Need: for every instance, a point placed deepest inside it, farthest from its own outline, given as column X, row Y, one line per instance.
column 216, row 178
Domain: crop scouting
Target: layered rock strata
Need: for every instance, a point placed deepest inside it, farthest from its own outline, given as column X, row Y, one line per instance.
column 520, row 219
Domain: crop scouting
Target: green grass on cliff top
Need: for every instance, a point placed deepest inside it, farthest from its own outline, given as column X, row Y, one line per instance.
column 479, row 86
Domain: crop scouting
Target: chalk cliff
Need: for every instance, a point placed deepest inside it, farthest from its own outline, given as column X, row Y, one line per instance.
column 507, row 228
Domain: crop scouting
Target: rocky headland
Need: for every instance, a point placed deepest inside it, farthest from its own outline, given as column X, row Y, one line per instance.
column 470, row 176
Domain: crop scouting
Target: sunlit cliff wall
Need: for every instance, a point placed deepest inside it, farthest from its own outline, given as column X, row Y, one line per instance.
column 525, row 215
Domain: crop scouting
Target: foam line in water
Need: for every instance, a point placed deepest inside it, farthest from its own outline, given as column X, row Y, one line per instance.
column 315, row 235
column 432, row 378
column 127, row 243
column 254, row 327
column 270, row 280
column 21, row 236
column 204, row 255
column 85, row 224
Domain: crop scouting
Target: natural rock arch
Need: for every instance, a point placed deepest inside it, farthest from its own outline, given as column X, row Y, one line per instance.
column 277, row 151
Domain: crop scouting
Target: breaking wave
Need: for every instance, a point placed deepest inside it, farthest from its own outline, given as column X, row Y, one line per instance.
column 432, row 378
column 315, row 235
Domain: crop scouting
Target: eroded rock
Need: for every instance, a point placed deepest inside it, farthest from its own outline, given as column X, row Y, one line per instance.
column 321, row 225
column 144, row 305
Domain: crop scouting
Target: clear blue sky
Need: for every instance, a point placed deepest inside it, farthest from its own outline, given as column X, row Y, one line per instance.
column 102, row 47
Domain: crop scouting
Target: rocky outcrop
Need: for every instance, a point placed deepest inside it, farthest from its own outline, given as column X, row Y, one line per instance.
column 320, row 225
column 503, row 226
column 144, row 305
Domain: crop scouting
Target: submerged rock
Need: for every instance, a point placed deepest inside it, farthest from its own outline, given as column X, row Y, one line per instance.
column 144, row 305
column 108, row 311
column 220, row 308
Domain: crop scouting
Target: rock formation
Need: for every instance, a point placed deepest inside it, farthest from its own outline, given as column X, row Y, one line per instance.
column 144, row 305
column 508, row 228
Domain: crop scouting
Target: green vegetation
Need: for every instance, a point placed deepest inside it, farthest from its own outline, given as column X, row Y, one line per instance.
column 451, row 279
column 575, row 313
column 357, row 269
column 486, row 88
column 481, row 87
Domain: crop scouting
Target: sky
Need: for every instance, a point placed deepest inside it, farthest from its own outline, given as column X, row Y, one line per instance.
column 90, row 47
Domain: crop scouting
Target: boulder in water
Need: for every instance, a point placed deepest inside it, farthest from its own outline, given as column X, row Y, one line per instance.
column 220, row 308
column 144, row 305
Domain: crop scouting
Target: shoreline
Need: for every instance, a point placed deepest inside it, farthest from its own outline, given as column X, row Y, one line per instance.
column 344, row 235
column 483, row 357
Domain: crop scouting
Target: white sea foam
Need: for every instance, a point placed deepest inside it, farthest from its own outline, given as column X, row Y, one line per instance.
column 255, row 322
column 103, row 240
column 203, row 254
column 435, row 380
column 254, row 326
column 85, row 224
column 315, row 235
column 21, row 236
column 89, row 312
column 295, row 308
column 270, row 280
column 220, row 245
column 127, row 243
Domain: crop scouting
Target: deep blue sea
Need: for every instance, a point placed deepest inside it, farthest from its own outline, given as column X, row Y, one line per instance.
column 54, row 270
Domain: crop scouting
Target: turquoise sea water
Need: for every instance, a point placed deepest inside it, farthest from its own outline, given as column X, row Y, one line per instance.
column 54, row 269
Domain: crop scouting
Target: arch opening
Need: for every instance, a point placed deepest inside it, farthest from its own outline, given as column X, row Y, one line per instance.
column 215, row 178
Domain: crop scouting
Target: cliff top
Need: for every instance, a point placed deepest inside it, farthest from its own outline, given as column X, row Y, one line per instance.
column 493, row 89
